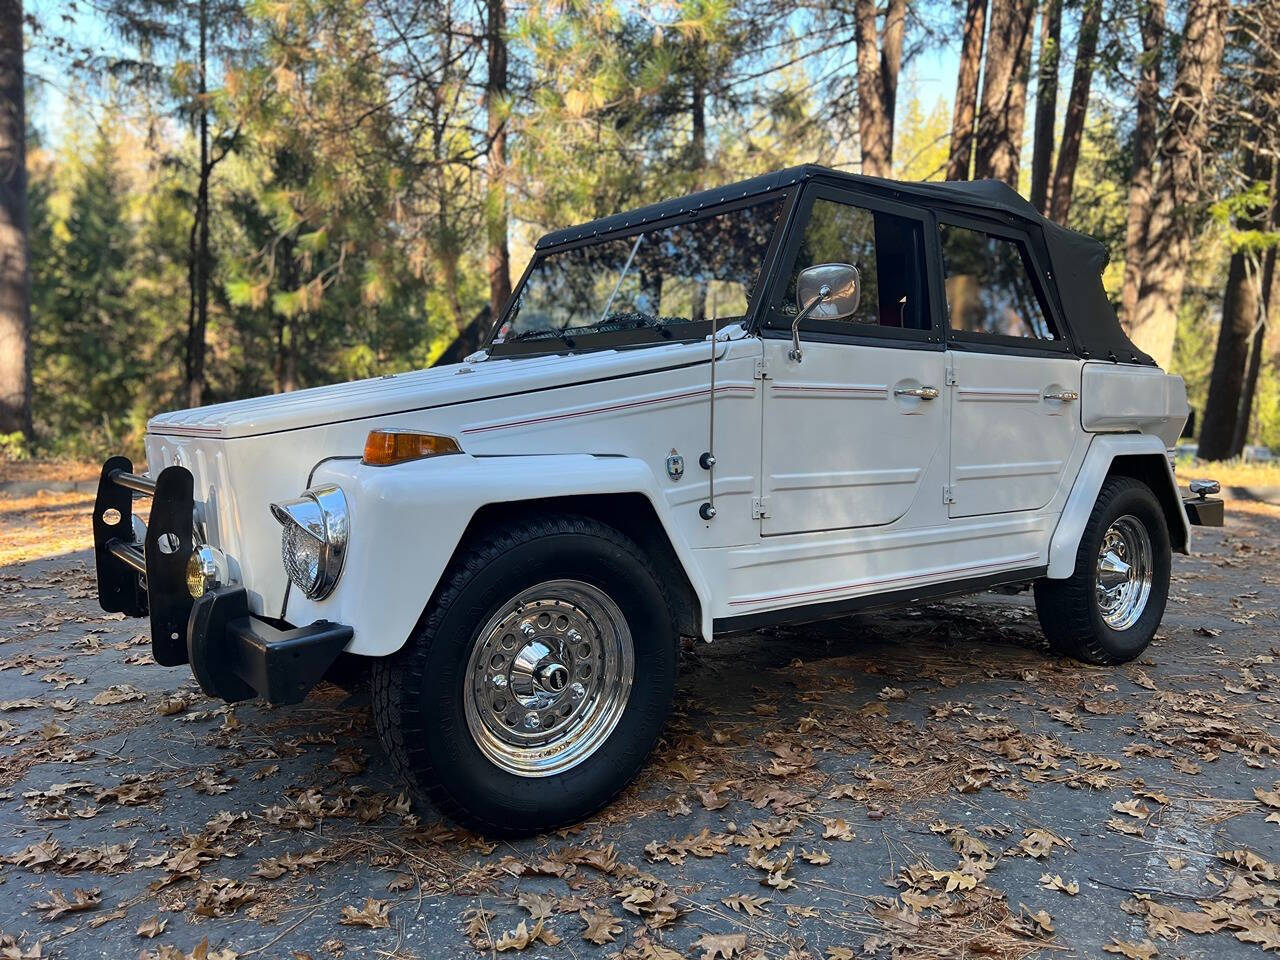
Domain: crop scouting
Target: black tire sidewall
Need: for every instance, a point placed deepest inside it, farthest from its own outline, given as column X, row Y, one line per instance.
column 490, row 794
column 1138, row 501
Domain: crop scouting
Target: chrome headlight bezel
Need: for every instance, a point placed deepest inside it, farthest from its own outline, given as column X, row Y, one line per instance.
column 319, row 520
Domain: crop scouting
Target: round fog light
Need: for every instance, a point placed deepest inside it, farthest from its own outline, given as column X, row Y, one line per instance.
column 206, row 570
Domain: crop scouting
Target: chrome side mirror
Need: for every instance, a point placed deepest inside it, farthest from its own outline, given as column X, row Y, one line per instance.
column 828, row 291
column 1203, row 488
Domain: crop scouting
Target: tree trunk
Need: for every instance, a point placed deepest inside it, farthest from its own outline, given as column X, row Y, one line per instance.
column 961, row 153
column 1046, row 102
column 1245, row 411
column 1144, row 150
column 998, row 141
column 1064, row 174
column 1239, row 351
column 1226, row 384
column 874, row 135
column 198, row 251
column 496, row 198
column 15, row 270
column 1177, row 192
column 895, row 28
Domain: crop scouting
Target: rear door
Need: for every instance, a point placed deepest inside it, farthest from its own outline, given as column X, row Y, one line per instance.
column 1015, row 384
column 851, row 426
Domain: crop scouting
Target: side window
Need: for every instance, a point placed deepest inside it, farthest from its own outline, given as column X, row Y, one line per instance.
column 989, row 286
column 887, row 250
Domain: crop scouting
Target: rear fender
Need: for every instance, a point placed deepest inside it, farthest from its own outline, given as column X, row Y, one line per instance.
column 406, row 522
column 1142, row 456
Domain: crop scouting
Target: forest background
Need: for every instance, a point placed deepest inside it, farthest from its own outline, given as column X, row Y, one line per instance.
column 209, row 199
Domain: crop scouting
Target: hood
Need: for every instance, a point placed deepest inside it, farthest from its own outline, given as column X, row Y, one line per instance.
column 416, row 390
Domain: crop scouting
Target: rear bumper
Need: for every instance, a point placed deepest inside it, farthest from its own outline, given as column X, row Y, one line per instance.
column 1203, row 511
column 234, row 654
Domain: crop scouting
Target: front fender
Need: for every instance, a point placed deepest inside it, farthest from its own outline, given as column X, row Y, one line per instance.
column 406, row 521
column 1102, row 459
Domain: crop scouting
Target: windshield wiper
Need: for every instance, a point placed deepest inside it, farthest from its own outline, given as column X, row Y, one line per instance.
column 545, row 333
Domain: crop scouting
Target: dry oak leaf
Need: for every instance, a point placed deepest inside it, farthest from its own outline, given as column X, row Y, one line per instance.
column 1132, row 808
column 837, row 829
column 1270, row 797
column 1039, row 843
column 1265, row 935
column 58, row 905
column 745, row 903
column 1132, row 951
column 839, row 953
column 955, row 880
column 721, row 946
column 152, row 928
column 117, row 693
column 374, row 915
column 1125, row 826
column 201, row 952
column 819, row 858
column 1055, row 882
column 602, row 927
column 521, row 937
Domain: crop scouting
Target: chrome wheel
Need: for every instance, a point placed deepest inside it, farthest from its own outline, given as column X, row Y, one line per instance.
column 1125, row 569
column 548, row 678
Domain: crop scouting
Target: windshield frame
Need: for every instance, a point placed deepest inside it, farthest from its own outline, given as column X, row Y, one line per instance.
column 645, row 336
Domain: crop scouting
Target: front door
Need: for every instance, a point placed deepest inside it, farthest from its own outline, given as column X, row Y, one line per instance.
column 851, row 426
column 1015, row 411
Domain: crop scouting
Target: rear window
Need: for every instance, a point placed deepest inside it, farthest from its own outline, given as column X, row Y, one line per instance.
column 990, row 288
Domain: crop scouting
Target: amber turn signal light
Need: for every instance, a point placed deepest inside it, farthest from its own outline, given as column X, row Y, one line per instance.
column 385, row 447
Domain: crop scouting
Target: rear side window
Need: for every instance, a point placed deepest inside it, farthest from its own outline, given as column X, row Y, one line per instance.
column 887, row 250
column 990, row 289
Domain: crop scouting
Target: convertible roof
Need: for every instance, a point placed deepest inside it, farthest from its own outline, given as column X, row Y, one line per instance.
column 1076, row 261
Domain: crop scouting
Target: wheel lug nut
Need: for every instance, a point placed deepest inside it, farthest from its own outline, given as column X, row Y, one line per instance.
column 527, row 629
column 532, row 721
column 498, row 680
column 577, row 691
column 574, row 636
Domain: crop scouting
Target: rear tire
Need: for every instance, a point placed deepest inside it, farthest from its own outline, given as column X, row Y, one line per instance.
column 1108, row 610
column 538, row 681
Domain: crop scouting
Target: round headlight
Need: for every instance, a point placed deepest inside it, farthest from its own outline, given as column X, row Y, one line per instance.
column 206, row 570
column 313, row 542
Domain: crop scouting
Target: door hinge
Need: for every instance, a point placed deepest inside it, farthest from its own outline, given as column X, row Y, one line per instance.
column 759, row 507
column 762, row 368
column 951, row 380
column 948, row 494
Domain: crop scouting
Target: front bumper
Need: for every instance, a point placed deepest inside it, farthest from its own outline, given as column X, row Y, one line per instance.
column 1203, row 511
column 236, row 655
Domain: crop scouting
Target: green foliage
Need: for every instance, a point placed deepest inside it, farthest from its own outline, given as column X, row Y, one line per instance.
column 351, row 201
column 14, row 446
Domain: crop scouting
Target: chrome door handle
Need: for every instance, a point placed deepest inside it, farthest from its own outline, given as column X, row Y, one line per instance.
column 920, row 393
column 1066, row 396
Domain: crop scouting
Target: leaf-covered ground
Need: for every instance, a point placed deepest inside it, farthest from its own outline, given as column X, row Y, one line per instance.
column 927, row 782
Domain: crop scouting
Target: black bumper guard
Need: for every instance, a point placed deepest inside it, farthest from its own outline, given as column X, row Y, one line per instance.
column 234, row 654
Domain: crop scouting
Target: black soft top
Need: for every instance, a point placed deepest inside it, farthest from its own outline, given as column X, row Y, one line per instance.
column 1076, row 260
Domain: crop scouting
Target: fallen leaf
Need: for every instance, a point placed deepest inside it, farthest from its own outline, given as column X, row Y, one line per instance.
column 374, row 915
column 58, row 905
column 721, row 946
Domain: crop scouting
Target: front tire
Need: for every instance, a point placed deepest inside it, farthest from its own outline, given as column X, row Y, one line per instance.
column 1109, row 609
column 538, row 681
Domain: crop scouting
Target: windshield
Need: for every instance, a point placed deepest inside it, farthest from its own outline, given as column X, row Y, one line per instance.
column 686, row 273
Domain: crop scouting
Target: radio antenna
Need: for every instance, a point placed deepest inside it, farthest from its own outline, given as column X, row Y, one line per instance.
column 708, row 460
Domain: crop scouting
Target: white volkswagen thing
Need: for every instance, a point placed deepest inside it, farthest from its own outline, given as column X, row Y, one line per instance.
column 781, row 400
